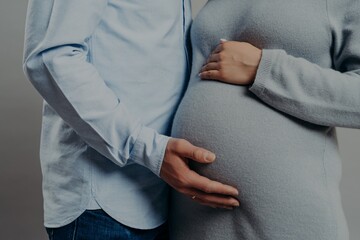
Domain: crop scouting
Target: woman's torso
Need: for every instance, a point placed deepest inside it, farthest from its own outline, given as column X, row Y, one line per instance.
column 287, row 170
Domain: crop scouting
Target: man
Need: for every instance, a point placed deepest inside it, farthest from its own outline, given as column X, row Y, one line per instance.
column 112, row 73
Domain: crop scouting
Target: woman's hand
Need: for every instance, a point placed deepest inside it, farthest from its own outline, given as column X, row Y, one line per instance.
column 232, row 62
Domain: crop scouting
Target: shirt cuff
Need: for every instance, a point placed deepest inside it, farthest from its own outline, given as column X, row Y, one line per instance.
column 149, row 149
column 263, row 73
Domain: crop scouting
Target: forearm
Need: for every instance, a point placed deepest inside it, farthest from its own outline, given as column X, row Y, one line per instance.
column 308, row 91
column 57, row 62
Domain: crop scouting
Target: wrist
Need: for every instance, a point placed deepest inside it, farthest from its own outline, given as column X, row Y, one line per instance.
column 149, row 149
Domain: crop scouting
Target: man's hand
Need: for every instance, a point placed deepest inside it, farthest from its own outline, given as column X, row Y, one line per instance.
column 232, row 62
column 176, row 172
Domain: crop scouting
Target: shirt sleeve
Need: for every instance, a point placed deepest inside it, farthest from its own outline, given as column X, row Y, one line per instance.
column 57, row 62
column 324, row 96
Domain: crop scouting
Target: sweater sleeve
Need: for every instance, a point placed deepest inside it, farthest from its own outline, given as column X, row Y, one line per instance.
column 57, row 62
column 324, row 96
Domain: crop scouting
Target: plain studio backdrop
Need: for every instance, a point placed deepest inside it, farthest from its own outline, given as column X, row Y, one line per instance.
column 21, row 212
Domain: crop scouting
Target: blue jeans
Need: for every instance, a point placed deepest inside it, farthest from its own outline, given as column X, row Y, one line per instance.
column 97, row 225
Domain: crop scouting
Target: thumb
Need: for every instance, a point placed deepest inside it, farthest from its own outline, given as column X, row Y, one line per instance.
column 196, row 153
column 222, row 40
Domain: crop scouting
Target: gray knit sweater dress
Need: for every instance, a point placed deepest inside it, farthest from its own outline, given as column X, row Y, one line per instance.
column 275, row 140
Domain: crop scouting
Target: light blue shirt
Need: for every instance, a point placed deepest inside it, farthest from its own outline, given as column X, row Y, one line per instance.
column 111, row 73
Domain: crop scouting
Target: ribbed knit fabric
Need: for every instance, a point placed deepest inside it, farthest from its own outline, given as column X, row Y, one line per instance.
column 275, row 140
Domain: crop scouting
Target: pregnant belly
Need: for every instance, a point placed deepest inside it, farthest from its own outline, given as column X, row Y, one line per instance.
column 276, row 161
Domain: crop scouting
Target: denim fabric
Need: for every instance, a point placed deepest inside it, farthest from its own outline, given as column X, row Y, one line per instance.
column 112, row 73
column 97, row 225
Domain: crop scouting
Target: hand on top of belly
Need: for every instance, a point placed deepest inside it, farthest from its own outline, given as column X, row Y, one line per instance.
column 232, row 62
column 176, row 172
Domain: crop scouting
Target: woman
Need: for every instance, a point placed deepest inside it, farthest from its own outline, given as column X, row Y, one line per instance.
column 288, row 75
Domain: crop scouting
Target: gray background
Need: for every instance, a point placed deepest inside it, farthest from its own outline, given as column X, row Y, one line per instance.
column 20, row 108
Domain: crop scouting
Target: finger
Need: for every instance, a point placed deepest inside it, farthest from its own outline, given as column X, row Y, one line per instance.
column 215, row 57
column 219, row 48
column 210, row 66
column 216, row 206
column 212, row 200
column 211, row 74
column 186, row 149
column 209, row 186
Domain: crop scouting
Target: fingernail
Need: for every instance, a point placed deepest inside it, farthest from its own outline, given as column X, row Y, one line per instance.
column 236, row 204
column 223, row 40
column 209, row 157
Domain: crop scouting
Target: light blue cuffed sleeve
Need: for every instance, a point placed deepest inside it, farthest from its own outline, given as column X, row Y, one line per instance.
column 57, row 61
